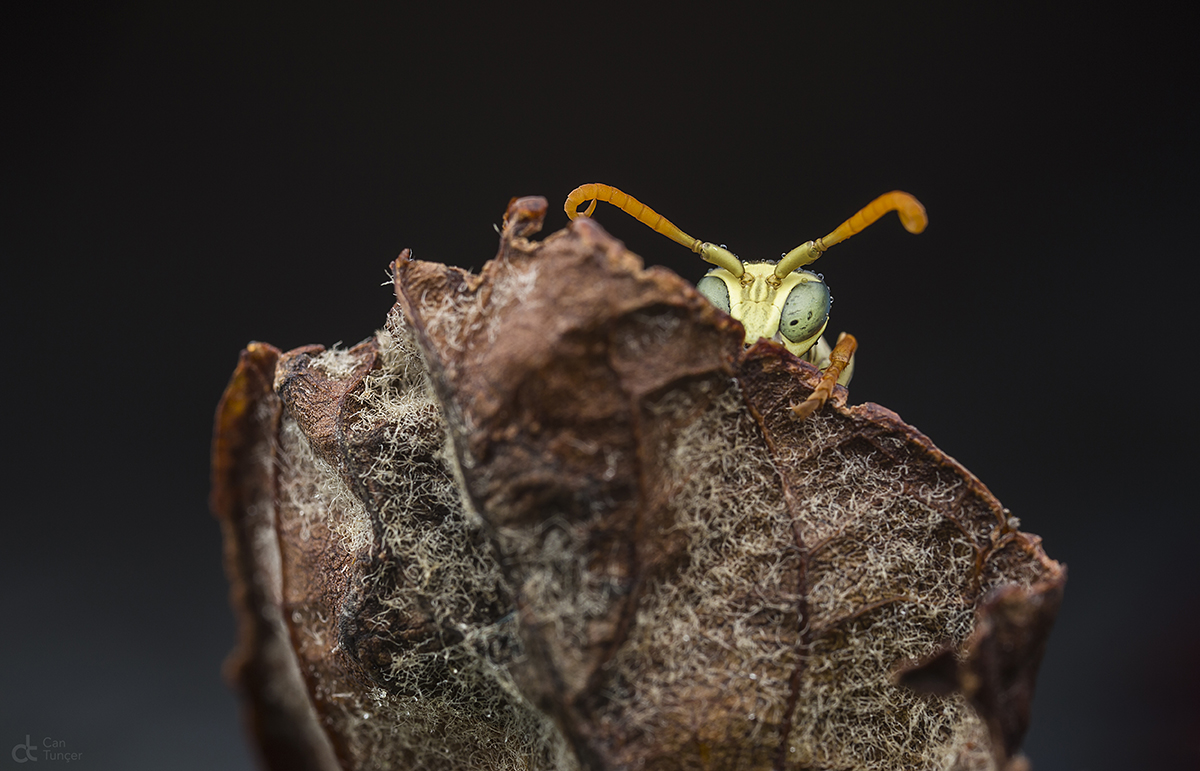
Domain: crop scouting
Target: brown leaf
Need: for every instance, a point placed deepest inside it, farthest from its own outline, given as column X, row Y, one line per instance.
column 554, row 516
column 279, row 708
column 1000, row 660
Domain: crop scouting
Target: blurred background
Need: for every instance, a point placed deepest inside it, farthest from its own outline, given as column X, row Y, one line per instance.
column 182, row 178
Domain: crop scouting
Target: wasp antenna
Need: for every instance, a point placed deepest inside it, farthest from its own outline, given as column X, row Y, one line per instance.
column 912, row 217
column 595, row 191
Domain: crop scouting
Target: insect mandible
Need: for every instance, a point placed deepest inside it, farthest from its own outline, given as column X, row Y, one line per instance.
column 775, row 300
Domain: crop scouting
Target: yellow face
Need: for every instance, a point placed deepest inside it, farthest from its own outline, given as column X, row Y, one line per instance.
column 792, row 310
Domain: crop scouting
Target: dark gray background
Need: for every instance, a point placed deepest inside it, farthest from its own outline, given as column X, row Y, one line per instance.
column 180, row 180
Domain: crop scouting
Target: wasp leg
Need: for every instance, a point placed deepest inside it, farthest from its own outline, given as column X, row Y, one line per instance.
column 819, row 355
column 839, row 359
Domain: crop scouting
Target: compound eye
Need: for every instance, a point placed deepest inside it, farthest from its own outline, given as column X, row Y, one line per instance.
column 805, row 309
column 716, row 291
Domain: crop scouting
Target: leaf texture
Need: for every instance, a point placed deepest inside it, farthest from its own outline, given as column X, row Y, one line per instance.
column 554, row 515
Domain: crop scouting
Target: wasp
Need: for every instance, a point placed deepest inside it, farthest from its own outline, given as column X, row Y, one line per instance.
column 776, row 300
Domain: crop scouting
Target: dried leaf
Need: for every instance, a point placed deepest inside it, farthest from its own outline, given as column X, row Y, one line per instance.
column 554, row 516
column 999, row 662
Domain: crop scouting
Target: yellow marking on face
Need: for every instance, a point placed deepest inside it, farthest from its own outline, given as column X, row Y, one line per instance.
column 757, row 299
